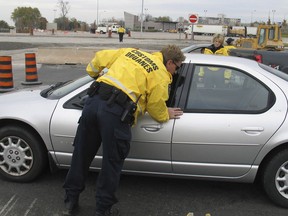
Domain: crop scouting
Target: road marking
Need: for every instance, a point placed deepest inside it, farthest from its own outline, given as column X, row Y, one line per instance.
column 30, row 207
column 7, row 205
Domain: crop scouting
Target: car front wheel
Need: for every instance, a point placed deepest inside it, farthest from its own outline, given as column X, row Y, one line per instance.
column 275, row 178
column 22, row 155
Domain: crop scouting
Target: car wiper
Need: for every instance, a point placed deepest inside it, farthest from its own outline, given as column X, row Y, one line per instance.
column 46, row 92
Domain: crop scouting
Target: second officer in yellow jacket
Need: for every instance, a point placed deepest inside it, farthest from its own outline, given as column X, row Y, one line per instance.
column 216, row 48
column 134, row 79
column 121, row 31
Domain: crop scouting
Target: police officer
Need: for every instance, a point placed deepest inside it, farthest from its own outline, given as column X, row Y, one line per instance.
column 230, row 44
column 210, row 75
column 121, row 32
column 217, row 47
column 136, row 82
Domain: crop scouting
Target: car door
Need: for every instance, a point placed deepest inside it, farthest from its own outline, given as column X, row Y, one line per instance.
column 150, row 147
column 226, row 121
column 64, row 123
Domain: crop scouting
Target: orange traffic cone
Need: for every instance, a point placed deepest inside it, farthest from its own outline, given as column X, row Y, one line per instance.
column 6, row 76
column 31, row 70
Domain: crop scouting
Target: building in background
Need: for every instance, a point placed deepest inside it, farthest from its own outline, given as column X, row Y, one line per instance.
column 221, row 19
column 133, row 22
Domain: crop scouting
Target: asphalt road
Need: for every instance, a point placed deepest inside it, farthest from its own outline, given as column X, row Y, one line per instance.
column 138, row 195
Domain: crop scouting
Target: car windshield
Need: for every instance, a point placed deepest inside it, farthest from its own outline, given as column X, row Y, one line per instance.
column 61, row 89
column 278, row 73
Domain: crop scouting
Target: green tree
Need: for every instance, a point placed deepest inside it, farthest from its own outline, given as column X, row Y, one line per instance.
column 26, row 18
column 43, row 23
column 64, row 8
column 74, row 25
column 4, row 24
column 62, row 23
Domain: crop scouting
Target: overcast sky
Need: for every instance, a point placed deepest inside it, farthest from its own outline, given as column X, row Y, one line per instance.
column 86, row 10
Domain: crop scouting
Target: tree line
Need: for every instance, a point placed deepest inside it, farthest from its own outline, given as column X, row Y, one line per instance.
column 27, row 18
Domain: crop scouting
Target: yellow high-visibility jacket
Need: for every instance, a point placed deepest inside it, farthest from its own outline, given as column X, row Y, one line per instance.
column 228, row 47
column 121, row 30
column 136, row 73
column 221, row 51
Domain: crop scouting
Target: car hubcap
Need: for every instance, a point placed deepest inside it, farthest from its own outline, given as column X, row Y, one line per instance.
column 282, row 180
column 16, row 156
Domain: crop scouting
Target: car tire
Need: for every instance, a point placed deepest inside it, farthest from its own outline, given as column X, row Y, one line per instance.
column 275, row 178
column 22, row 154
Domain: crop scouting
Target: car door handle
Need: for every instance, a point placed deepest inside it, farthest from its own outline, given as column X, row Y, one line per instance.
column 152, row 127
column 253, row 130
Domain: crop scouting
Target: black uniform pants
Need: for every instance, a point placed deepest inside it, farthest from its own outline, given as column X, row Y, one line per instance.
column 98, row 124
column 121, row 37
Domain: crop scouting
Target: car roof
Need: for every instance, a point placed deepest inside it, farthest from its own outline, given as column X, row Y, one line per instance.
column 231, row 61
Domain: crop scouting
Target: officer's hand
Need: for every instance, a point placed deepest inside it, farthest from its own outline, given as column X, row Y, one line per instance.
column 174, row 113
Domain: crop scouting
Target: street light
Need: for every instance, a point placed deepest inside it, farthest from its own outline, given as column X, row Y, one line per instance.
column 273, row 11
column 145, row 18
column 205, row 11
column 142, row 17
column 97, row 19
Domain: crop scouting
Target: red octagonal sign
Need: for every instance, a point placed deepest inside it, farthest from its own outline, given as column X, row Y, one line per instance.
column 193, row 18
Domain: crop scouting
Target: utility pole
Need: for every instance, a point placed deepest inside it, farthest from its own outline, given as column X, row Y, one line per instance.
column 142, row 17
column 97, row 19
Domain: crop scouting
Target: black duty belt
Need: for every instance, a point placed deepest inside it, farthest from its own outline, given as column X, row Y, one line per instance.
column 109, row 93
column 114, row 95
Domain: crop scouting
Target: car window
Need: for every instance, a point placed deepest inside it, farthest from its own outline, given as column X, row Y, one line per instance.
column 220, row 89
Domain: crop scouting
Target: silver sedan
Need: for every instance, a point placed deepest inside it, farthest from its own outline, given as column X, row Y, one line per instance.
column 234, row 127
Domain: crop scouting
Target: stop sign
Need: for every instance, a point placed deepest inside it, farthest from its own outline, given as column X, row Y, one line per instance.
column 193, row 18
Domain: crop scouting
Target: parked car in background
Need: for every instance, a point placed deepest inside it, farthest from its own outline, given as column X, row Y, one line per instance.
column 102, row 29
column 114, row 28
column 274, row 59
column 233, row 129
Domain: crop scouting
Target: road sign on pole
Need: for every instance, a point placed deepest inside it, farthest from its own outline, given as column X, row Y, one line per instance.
column 193, row 18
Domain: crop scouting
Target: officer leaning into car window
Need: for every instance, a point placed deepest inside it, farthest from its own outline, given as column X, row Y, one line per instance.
column 136, row 82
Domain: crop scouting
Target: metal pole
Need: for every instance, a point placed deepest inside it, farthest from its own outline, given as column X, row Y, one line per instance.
column 142, row 17
column 97, row 19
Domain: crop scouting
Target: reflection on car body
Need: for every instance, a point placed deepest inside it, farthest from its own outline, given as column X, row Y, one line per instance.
column 231, row 130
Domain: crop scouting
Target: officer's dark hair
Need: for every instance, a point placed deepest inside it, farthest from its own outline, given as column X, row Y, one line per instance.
column 172, row 52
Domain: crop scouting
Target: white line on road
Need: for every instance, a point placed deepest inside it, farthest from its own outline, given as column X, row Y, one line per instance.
column 7, row 205
column 30, row 207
